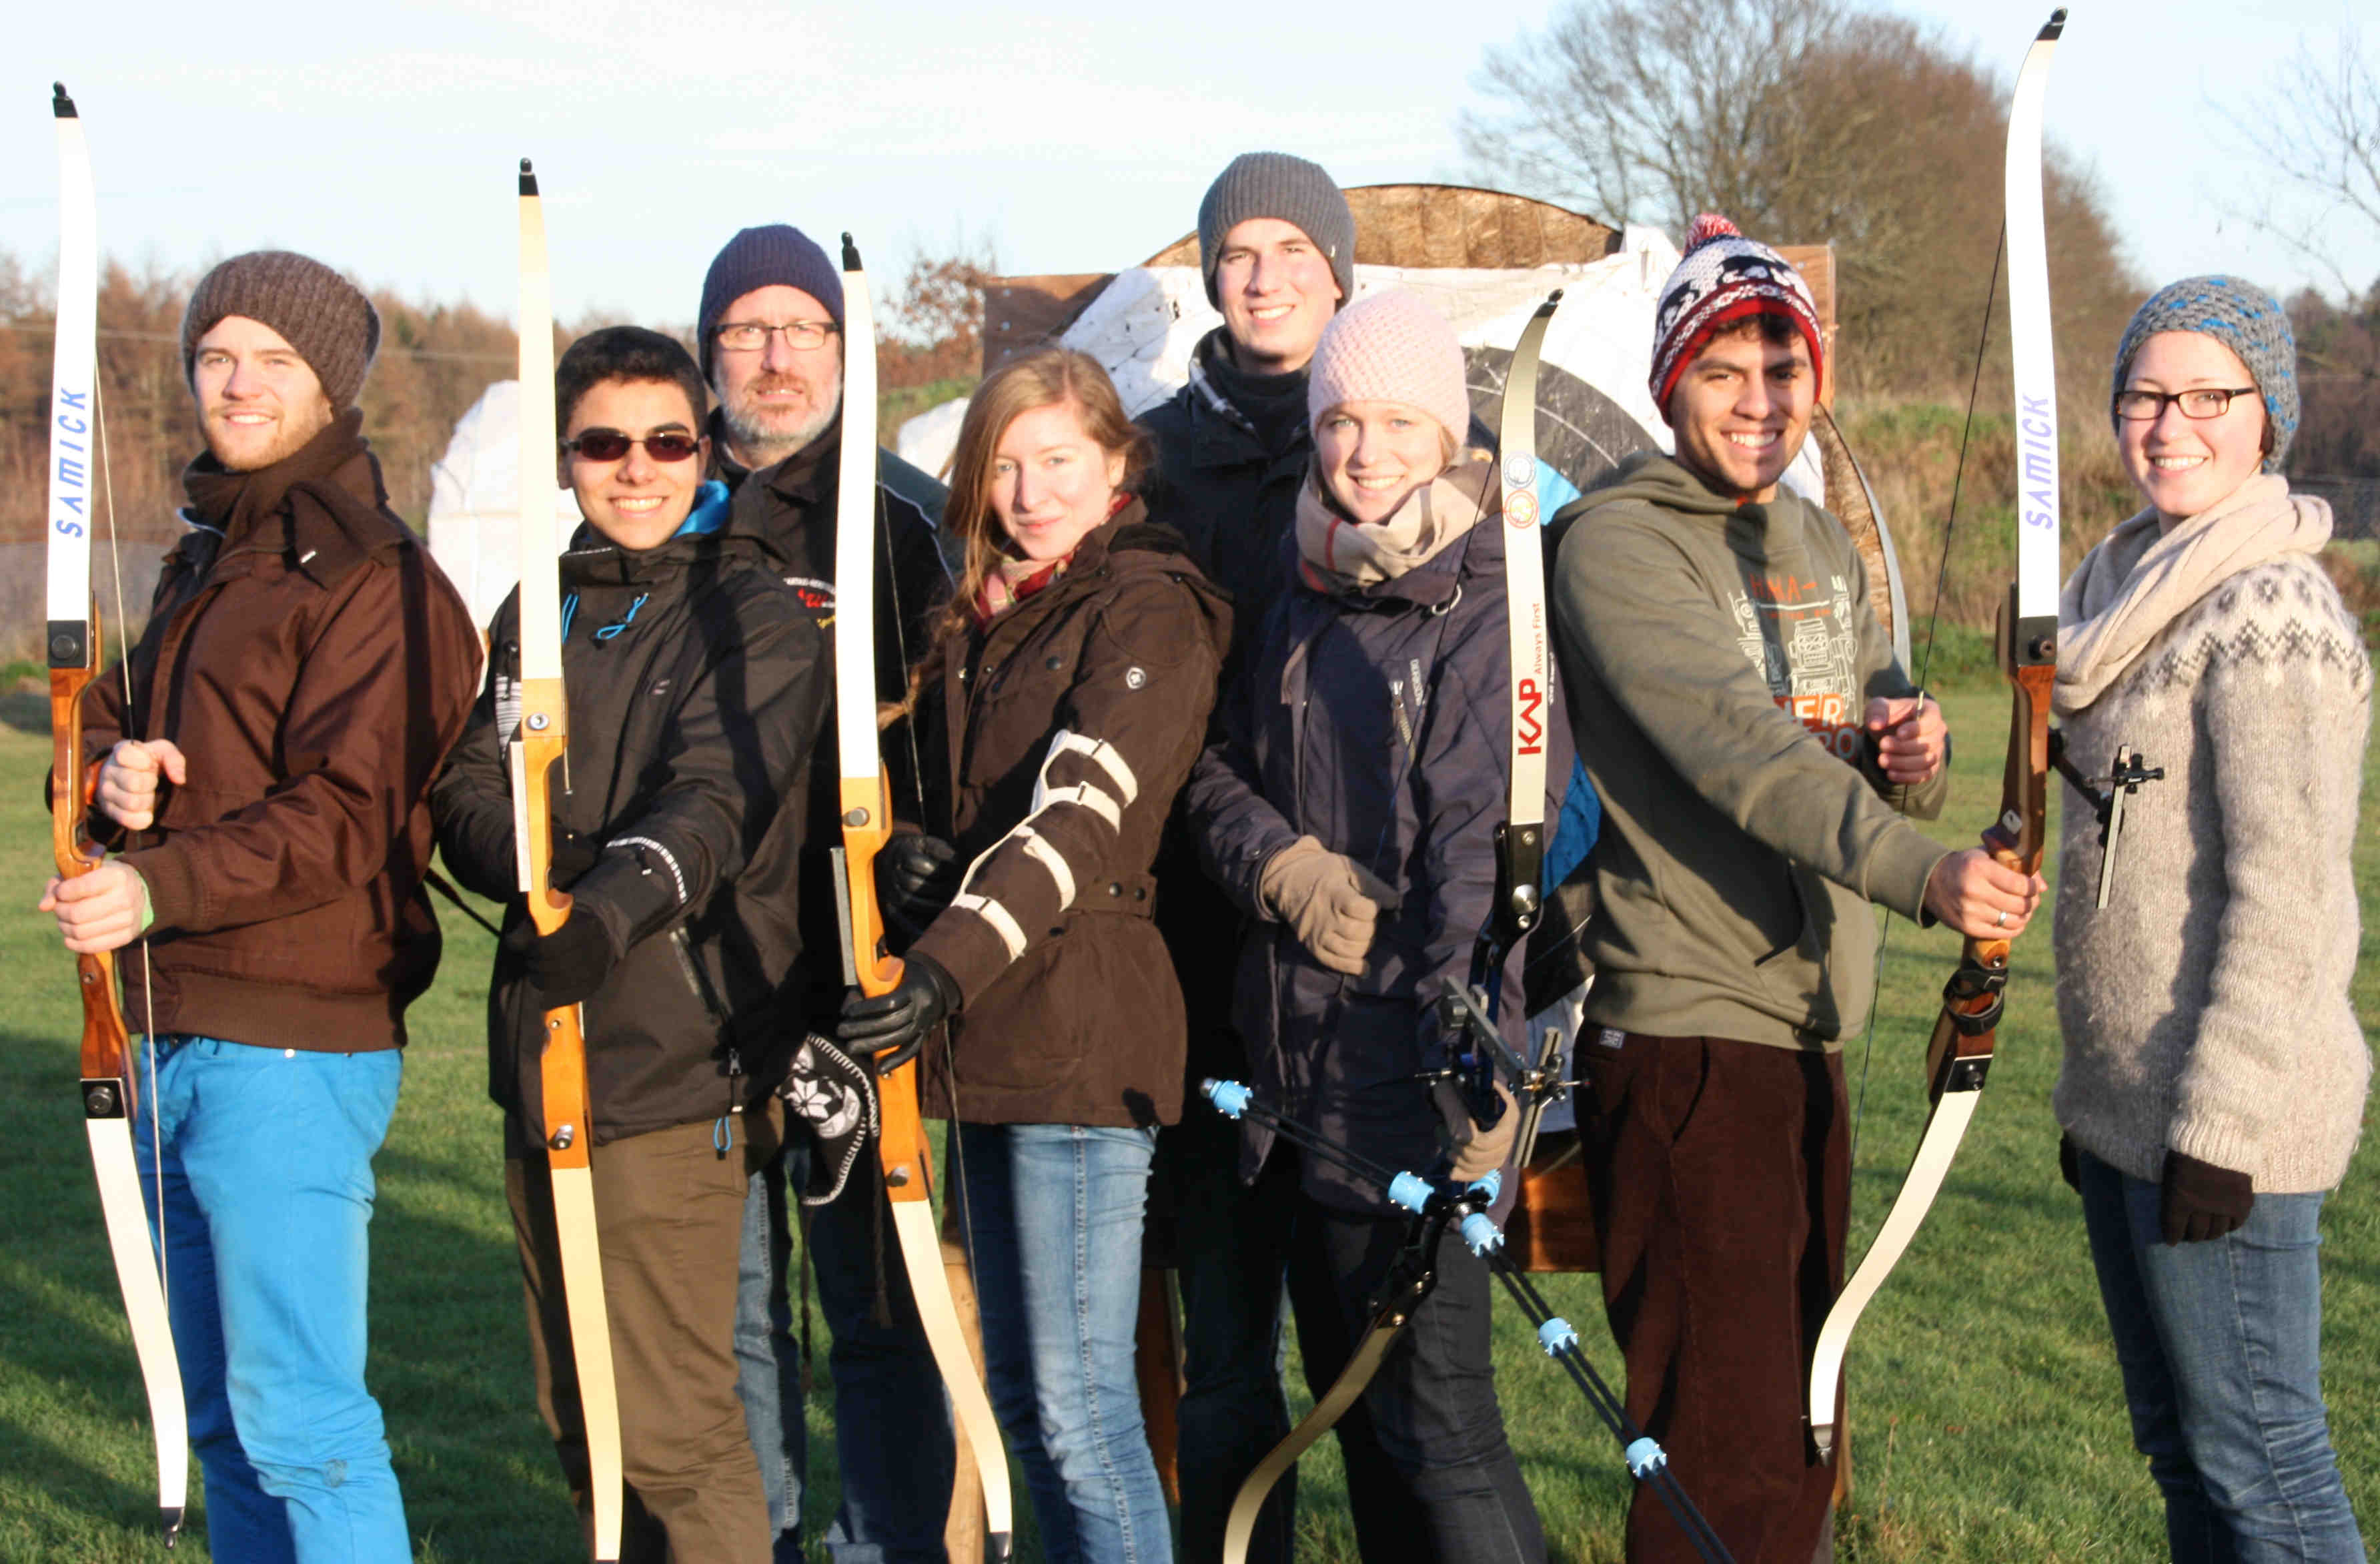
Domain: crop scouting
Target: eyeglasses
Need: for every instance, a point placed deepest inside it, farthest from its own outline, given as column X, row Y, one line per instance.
column 750, row 336
column 609, row 444
column 2144, row 407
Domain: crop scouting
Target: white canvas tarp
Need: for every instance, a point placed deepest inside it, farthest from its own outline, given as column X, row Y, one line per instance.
column 1593, row 405
column 475, row 502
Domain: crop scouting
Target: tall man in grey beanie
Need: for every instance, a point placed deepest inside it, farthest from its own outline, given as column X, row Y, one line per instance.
column 1277, row 243
column 771, row 335
column 265, row 795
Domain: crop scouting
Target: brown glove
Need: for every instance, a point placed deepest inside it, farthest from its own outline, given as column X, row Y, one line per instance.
column 1477, row 1152
column 2198, row 1201
column 1330, row 903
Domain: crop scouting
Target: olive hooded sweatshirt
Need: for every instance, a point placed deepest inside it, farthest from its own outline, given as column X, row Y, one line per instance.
column 1719, row 658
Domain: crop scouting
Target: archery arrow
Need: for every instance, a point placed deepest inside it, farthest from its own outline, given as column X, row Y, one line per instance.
column 109, row 1090
column 1435, row 1208
column 539, row 743
column 1960, row 1052
column 866, row 804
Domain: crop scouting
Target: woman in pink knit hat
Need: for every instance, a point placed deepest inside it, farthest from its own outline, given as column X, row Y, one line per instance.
column 1352, row 810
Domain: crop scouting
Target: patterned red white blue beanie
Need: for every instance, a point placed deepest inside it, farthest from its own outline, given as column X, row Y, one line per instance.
column 1725, row 278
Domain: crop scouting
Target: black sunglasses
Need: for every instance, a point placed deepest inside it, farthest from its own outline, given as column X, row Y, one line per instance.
column 609, row 444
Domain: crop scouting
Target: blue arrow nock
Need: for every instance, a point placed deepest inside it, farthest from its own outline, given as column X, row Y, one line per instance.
column 1481, row 1233
column 1556, row 1337
column 1230, row 1098
column 1644, row 1457
column 1410, row 1191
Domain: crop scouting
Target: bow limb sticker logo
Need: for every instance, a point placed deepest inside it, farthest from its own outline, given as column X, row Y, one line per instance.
column 1529, row 715
column 1521, row 508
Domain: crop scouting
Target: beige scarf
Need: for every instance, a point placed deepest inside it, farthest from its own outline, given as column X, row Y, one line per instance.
column 1342, row 554
column 2137, row 582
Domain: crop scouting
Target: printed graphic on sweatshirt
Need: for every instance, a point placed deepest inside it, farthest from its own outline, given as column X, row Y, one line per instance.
column 1800, row 635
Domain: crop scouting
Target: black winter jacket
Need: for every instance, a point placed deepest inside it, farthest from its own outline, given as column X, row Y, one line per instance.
column 689, row 722
column 1226, row 478
column 790, row 508
column 1377, row 721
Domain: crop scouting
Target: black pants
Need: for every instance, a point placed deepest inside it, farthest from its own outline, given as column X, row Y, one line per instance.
column 1430, row 1475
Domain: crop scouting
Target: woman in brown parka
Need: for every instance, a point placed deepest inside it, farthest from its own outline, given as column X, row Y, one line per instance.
column 1062, row 704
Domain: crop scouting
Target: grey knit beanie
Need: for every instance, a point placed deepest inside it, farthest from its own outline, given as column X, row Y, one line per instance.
column 318, row 313
column 1268, row 184
column 774, row 253
column 2243, row 317
column 1391, row 347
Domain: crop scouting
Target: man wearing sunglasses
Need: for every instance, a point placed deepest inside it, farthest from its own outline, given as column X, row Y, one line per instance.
column 771, row 335
column 697, row 688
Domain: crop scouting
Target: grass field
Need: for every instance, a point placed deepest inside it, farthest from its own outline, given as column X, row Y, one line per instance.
column 1986, row 1416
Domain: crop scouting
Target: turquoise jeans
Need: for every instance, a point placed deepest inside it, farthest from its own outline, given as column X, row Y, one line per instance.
column 267, row 1198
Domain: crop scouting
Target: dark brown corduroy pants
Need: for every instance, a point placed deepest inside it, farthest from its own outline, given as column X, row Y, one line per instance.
column 669, row 1214
column 1720, row 1173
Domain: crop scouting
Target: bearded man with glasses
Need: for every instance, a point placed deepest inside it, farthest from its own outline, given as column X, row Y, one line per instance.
column 771, row 335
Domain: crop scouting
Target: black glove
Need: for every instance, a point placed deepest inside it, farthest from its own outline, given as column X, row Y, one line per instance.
column 889, row 1029
column 573, row 855
column 2068, row 1168
column 916, row 877
column 2200, row 1201
column 567, row 965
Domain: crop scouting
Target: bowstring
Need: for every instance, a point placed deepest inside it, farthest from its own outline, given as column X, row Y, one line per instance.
column 1926, row 660
column 957, row 1142
column 147, row 978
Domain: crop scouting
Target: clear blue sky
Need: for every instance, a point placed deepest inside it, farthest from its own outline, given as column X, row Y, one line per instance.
column 1077, row 136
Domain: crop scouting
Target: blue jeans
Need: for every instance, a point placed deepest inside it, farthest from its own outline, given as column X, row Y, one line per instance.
column 1054, row 1217
column 892, row 1417
column 267, row 1200
column 2220, row 1344
column 767, row 1355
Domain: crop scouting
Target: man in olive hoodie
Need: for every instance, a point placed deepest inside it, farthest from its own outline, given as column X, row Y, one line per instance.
column 1756, row 749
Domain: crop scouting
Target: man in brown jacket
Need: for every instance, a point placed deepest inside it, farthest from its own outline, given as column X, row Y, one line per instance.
column 305, row 668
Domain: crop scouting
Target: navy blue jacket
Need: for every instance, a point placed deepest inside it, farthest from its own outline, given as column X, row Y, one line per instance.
column 1377, row 721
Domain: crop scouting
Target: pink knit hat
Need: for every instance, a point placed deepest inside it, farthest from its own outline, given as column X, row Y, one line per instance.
column 1390, row 347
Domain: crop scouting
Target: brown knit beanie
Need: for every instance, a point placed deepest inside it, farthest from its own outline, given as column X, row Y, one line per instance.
column 1391, row 347
column 318, row 313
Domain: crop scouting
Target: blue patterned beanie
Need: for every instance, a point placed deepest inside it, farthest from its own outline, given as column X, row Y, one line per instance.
column 2243, row 317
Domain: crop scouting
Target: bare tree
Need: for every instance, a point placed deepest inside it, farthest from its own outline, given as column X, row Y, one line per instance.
column 1806, row 121
column 2317, row 123
column 935, row 320
column 1650, row 113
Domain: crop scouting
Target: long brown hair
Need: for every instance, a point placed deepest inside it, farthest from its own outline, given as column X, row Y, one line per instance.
column 1047, row 377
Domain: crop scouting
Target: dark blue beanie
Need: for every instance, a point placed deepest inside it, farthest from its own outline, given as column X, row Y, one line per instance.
column 756, row 258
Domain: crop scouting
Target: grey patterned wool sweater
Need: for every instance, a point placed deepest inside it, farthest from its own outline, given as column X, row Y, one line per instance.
column 2205, row 1008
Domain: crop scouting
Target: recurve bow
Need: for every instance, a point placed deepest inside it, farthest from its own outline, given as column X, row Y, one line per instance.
column 1961, row 1052
column 539, row 744
column 110, row 1088
column 866, row 818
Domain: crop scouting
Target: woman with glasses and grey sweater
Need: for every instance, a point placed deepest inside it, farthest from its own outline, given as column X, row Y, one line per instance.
column 2214, row 1072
